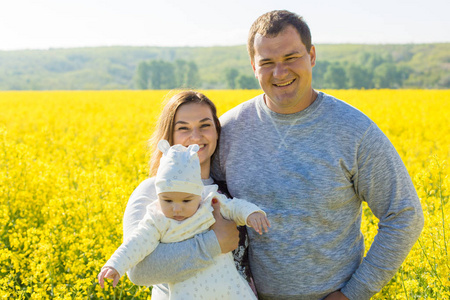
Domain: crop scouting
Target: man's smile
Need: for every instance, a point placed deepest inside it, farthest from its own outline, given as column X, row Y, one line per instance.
column 284, row 84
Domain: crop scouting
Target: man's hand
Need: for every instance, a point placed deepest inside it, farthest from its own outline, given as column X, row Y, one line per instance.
column 225, row 230
column 336, row 296
column 110, row 273
column 258, row 221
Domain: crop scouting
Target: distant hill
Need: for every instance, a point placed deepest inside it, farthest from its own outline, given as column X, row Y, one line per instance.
column 338, row 66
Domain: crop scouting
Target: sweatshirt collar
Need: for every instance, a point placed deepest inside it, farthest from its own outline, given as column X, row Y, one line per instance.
column 289, row 117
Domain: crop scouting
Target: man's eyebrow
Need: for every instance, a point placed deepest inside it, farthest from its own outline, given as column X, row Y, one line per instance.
column 293, row 53
column 287, row 55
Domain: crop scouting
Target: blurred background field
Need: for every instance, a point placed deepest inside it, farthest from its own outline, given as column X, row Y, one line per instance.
column 70, row 160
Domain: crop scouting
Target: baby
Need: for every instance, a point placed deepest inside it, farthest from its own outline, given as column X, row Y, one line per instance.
column 182, row 211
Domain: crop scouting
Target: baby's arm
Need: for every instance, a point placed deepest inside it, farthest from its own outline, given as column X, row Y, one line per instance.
column 244, row 213
column 140, row 244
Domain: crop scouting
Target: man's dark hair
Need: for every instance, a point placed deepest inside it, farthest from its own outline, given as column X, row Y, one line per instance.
column 272, row 23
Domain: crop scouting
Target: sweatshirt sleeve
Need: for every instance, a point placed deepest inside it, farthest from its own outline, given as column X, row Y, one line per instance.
column 384, row 183
column 236, row 209
column 168, row 262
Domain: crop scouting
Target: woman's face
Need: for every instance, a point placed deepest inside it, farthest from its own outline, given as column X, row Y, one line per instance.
column 194, row 124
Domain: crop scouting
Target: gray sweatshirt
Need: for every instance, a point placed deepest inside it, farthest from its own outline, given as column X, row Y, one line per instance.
column 311, row 171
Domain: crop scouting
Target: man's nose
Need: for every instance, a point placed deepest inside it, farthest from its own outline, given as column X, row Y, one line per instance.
column 280, row 70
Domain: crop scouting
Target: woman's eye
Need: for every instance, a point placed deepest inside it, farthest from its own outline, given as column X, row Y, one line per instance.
column 182, row 128
column 206, row 125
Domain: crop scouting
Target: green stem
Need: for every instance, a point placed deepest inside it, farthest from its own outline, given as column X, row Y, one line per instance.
column 442, row 210
column 403, row 285
column 429, row 262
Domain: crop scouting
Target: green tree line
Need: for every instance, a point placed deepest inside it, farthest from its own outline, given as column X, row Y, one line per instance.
column 367, row 72
column 160, row 74
column 235, row 80
column 423, row 66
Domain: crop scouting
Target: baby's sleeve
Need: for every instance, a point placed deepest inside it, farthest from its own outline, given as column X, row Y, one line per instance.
column 140, row 244
column 236, row 209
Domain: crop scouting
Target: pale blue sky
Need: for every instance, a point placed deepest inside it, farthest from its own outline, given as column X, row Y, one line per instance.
column 42, row 24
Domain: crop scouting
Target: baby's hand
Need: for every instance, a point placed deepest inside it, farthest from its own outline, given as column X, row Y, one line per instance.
column 258, row 221
column 108, row 272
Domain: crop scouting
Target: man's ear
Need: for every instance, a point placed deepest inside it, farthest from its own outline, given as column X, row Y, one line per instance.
column 253, row 67
column 312, row 55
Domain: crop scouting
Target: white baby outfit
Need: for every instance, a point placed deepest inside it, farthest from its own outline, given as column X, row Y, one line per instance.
column 180, row 171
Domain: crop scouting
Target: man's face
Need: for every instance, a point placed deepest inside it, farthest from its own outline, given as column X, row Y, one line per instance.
column 283, row 68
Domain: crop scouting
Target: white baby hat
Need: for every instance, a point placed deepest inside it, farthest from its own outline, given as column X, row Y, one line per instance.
column 179, row 169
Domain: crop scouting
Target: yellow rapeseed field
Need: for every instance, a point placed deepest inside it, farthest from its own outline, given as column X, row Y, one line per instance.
column 70, row 160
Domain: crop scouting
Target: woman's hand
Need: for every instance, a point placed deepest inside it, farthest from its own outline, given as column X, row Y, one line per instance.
column 258, row 221
column 225, row 230
column 110, row 273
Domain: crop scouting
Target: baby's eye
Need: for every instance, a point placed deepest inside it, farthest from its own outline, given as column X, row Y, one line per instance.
column 186, row 201
column 168, row 201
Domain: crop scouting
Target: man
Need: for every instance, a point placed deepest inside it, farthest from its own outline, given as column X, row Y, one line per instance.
column 310, row 160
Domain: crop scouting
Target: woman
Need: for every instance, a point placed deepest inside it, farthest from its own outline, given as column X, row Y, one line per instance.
column 188, row 118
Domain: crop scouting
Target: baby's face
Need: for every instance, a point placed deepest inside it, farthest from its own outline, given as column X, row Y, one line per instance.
column 179, row 206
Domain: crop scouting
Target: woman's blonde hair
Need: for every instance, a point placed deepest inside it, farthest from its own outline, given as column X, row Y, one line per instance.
column 165, row 125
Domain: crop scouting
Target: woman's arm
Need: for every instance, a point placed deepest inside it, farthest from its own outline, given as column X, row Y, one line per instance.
column 176, row 261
